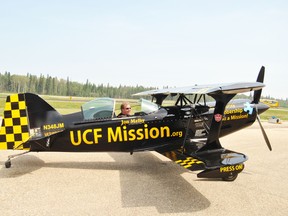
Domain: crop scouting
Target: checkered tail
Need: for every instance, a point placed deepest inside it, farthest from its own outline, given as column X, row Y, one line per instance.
column 14, row 131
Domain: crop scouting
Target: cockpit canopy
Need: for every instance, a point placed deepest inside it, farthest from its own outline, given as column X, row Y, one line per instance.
column 98, row 108
column 106, row 108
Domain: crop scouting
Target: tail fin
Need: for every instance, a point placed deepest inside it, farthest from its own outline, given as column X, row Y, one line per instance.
column 27, row 117
column 15, row 125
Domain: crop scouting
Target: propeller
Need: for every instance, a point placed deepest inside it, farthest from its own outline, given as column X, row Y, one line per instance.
column 263, row 132
column 256, row 99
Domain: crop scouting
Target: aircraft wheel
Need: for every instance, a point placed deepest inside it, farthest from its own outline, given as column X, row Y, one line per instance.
column 231, row 177
column 8, row 164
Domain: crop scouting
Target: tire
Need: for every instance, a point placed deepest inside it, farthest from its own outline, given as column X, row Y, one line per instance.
column 8, row 164
column 231, row 177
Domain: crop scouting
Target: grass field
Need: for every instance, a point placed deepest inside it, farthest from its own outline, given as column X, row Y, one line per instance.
column 66, row 105
column 281, row 113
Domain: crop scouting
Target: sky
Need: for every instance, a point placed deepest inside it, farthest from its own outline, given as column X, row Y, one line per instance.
column 155, row 43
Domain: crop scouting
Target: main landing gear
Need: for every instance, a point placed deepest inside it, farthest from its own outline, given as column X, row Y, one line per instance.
column 226, row 173
column 230, row 177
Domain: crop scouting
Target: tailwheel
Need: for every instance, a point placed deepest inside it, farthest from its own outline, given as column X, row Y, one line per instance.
column 8, row 164
column 230, row 177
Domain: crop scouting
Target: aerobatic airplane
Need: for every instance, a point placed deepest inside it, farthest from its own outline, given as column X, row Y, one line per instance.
column 187, row 131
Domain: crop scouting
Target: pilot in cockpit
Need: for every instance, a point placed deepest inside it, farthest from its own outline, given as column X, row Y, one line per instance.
column 125, row 110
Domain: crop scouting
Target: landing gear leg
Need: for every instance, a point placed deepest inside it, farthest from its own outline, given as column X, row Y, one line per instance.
column 8, row 162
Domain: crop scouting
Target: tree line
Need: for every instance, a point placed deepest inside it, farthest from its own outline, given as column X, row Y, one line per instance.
column 47, row 85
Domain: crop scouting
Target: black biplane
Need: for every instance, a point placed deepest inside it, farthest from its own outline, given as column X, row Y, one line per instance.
column 186, row 131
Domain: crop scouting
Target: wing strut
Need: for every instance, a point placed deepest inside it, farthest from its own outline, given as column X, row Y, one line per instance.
column 213, row 136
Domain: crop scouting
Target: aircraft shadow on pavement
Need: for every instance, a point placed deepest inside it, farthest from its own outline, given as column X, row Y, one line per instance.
column 158, row 184
column 145, row 180
column 20, row 166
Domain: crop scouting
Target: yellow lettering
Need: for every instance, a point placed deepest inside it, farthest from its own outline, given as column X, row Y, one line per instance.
column 230, row 106
column 78, row 138
column 155, row 134
column 233, row 111
column 85, row 140
column 139, row 133
column 235, row 117
column 123, row 122
column 132, row 135
column 239, row 167
column 165, row 131
column 124, row 133
column 53, row 126
column 96, row 135
column 227, row 169
column 146, row 131
column 117, row 136
column 232, row 168
column 120, row 134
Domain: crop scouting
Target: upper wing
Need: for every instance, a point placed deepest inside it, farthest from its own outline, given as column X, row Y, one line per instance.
column 230, row 88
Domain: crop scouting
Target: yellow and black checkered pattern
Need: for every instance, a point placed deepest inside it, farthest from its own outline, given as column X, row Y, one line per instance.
column 14, row 130
column 188, row 162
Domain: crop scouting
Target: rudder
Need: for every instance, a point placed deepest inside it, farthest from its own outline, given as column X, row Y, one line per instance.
column 14, row 132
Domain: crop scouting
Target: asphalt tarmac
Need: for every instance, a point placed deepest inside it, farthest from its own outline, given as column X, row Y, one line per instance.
column 147, row 183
